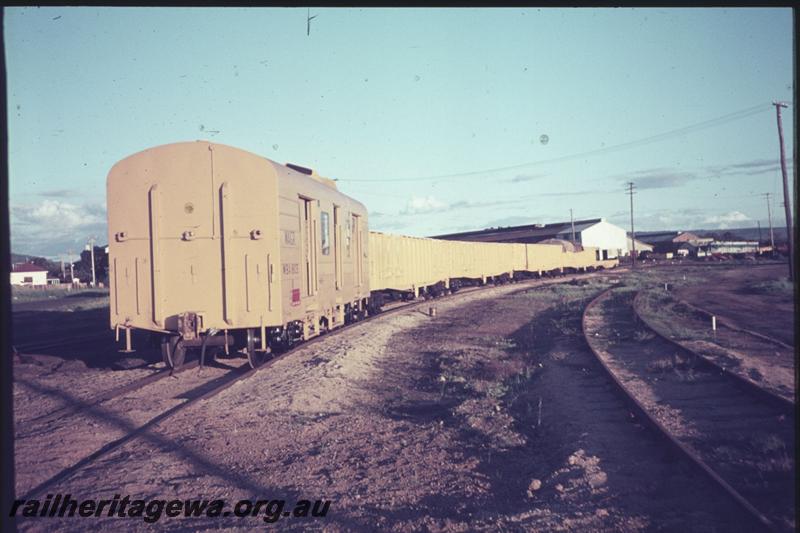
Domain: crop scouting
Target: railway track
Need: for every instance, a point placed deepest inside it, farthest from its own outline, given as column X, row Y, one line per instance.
column 220, row 384
column 105, row 396
column 214, row 388
column 727, row 323
column 743, row 371
column 73, row 339
column 736, row 436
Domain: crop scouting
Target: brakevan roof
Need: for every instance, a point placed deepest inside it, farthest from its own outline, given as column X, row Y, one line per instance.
column 538, row 231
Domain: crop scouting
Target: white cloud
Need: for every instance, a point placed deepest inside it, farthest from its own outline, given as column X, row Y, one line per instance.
column 58, row 215
column 53, row 226
column 423, row 204
column 683, row 220
column 725, row 220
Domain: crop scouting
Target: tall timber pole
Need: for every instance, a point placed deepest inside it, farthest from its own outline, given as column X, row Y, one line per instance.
column 786, row 203
column 572, row 223
column 769, row 219
column 759, row 231
column 91, row 250
column 633, row 234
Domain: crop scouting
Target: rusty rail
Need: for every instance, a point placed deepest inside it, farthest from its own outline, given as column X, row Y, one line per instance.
column 722, row 320
column 236, row 375
column 684, row 450
column 764, row 394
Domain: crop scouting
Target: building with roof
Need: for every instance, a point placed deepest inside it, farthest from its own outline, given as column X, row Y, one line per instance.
column 28, row 274
column 734, row 247
column 611, row 240
column 676, row 242
column 641, row 246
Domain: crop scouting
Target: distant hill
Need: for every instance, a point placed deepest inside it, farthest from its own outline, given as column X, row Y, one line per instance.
column 53, row 268
column 24, row 258
column 744, row 234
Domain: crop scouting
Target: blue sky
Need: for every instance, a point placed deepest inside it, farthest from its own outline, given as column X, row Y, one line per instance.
column 419, row 113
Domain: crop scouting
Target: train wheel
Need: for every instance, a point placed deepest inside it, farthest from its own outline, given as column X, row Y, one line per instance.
column 255, row 357
column 173, row 352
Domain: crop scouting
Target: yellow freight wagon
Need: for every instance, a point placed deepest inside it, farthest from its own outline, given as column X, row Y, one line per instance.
column 212, row 246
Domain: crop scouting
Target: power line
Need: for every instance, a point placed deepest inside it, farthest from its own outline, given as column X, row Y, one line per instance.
column 730, row 117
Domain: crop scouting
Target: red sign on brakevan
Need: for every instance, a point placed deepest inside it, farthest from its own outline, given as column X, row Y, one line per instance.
column 295, row 296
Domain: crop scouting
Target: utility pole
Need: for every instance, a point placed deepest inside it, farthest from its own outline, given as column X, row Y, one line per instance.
column 759, row 232
column 786, row 204
column 572, row 223
column 91, row 248
column 63, row 271
column 633, row 234
column 71, row 268
column 769, row 219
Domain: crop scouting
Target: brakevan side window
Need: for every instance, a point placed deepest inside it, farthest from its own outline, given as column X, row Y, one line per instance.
column 325, row 227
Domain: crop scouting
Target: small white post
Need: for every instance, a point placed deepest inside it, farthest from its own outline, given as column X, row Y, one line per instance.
column 539, row 416
column 714, row 327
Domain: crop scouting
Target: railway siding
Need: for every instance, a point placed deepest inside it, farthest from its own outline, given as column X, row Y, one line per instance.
column 764, row 362
column 742, row 442
column 522, row 431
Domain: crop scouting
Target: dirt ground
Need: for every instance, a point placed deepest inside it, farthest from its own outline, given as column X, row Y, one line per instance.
column 756, row 298
column 490, row 416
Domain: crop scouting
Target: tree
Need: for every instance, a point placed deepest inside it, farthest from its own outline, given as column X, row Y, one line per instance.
column 83, row 267
column 53, row 269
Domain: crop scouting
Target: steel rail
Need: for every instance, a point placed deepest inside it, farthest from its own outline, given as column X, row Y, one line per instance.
column 29, row 347
column 726, row 322
column 236, row 375
column 752, row 387
column 244, row 372
column 110, row 394
column 684, row 450
column 115, row 392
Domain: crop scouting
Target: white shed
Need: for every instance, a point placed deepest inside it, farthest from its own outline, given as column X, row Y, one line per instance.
column 28, row 274
column 611, row 240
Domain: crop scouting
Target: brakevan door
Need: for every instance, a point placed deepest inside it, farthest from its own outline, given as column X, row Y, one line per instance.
column 161, row 222
column 246, row 188
column 193, row 228
column 358, row 250
column 308, row 236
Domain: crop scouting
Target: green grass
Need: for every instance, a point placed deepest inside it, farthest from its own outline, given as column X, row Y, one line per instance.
column 661, row 310
column 772, row 286
column 56, row 292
